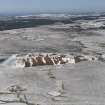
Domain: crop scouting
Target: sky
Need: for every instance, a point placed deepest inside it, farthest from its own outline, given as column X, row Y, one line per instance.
column 19, row 6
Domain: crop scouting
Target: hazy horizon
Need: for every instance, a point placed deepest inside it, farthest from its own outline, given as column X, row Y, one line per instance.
column 33, row 6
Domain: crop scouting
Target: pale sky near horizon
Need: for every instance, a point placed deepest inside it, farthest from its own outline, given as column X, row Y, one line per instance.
column 50, row 5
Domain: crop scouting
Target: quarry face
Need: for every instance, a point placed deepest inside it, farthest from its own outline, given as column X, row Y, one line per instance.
column 78, row 83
